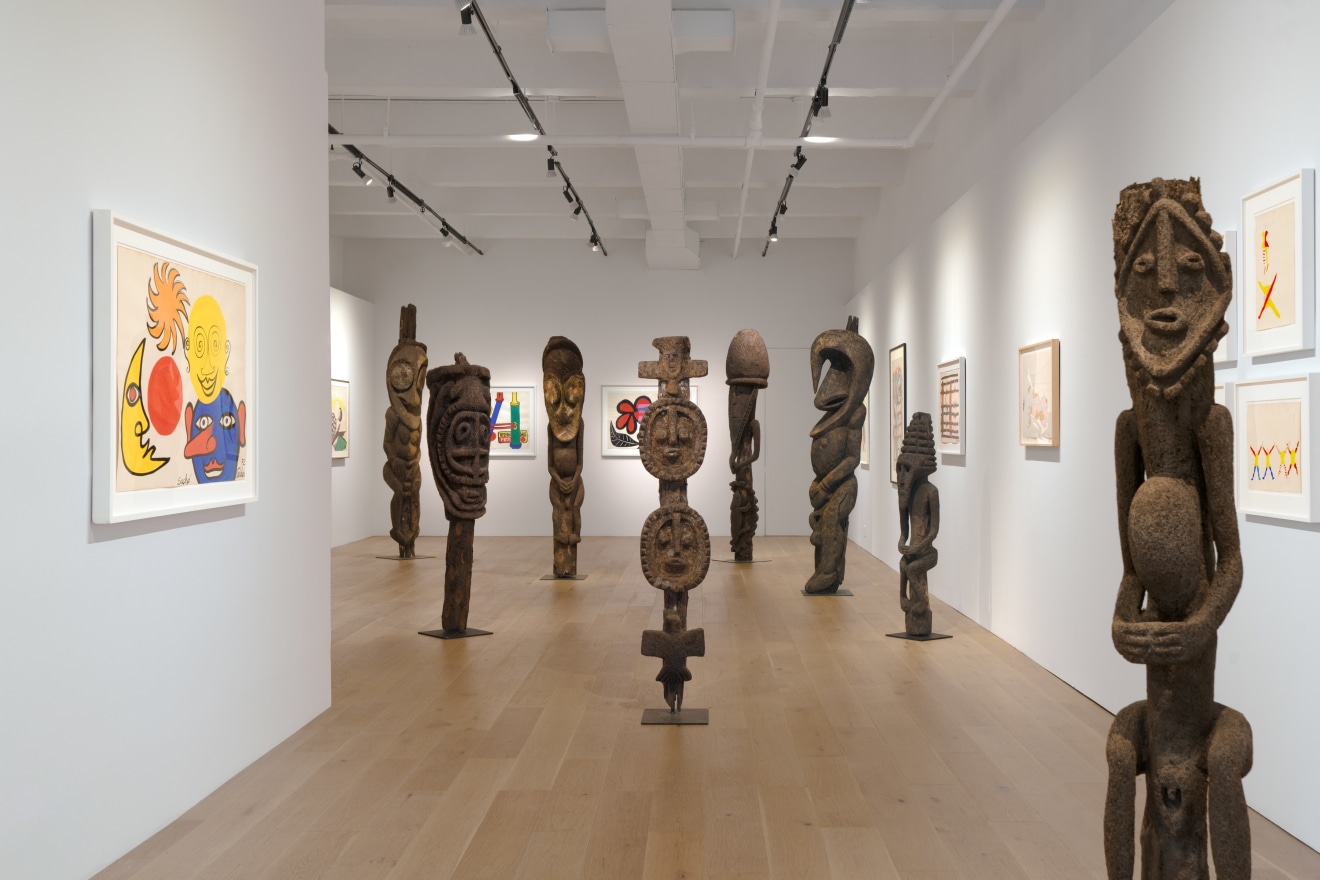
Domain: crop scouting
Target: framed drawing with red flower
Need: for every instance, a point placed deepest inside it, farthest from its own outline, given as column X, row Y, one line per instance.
column 623, row 407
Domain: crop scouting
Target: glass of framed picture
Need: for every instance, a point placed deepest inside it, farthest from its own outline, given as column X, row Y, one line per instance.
column 1275, row 432
column 1278, row 271
column 951, row 434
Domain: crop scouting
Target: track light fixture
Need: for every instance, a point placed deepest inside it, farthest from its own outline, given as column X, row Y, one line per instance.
column 595, row 243
column 465, row 14
column 801, row 159
column 395, row 188
column 550, row 167
column 823, row 103
column 568, row 197
column 774, row 231
column 577, row 212
column 783, row 209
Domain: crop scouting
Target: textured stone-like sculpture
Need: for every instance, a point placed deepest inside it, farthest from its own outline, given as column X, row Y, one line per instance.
column 675, row 545
column 1177, row 526
column 746, row 370
column 565, row 388
column 918, row 522
column 836, row 446
column 405, row 376
column 458, row 437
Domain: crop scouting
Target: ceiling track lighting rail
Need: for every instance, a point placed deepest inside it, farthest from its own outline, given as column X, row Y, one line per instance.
column 820, row 108
column 468, row 11
column 395, row 186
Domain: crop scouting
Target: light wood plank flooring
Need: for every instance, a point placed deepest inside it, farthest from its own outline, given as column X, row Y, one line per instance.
column 833, row 752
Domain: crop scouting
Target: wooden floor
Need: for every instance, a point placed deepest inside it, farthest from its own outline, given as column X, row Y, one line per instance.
column 832, row 751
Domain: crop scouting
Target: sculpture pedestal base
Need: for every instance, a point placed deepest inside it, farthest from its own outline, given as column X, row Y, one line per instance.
column 686, row 716
column 839, row 592
column 405, row 558
column 740, row 561
column 930, row 638
column 567, row 577
column 456, row 634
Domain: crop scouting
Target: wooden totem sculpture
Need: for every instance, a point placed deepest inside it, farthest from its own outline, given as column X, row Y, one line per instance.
column 675, row 545
column 405, row 376
column 1182, row 566
column 919, row 524
column 458, row 437
column 746, row 370
column 836, row 446
column 565, row 388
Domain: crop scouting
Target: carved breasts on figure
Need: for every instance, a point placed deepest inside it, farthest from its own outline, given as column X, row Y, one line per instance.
column 675, row 544
column 747, row 370
column 836, row 446
column 458, row 437
column 405, row 376
column 1182, row 565
column 565, row 389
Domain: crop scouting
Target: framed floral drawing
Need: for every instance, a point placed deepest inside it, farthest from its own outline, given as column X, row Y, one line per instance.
column 1038, row 394
column 1274, row 432
column 951, row 434
column 175, row 422
column 1277, row 279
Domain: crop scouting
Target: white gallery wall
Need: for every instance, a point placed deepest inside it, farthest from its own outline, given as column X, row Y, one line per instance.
column 145, row 663
column 1029, row 544
column 500, row 309
column 352, row 335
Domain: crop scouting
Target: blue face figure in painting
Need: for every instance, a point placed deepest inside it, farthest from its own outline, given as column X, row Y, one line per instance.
column 216, row 431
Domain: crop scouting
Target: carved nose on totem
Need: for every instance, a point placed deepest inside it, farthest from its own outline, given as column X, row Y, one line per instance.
column 1172, row 797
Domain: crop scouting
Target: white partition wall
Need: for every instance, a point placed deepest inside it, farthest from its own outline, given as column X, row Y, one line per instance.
column 352, row 358
column 1029, row 544
column 145, row 663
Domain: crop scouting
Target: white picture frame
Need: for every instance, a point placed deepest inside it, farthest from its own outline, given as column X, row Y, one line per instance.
column 1260, row 407
column 341, row 435
column 502, row 443
column 1227, row 351
column 614, row 442
column 1287, row 263
column 950, row 414
column 201, row 268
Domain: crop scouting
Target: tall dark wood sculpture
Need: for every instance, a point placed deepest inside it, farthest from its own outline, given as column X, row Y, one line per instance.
column 1177, row 526
column 675, row 545
column 565, row 388
column 458, row 436
column 919, row 524
column 405, row 376
column 836, row 447
column 746, row 370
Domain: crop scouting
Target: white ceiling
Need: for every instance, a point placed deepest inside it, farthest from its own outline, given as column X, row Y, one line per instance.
column 398, row 70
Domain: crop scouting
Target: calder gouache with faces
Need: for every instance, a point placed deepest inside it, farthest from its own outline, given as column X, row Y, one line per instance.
column 180, row 356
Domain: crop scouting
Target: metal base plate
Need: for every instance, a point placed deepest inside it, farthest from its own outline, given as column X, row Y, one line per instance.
column 687, row 716
column 930, row 638
column 459, row 634
column 740, row 561
column 405, row 558
column 839, row 592
column 571, row 577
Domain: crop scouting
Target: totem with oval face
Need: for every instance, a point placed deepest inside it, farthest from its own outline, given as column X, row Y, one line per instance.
column 672, row 439
column 405, row 377
column 565, row 389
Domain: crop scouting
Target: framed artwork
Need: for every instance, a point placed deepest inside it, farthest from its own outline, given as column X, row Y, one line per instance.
column 513, row 421
column 174, row 378
column 897, row 405
column 622, row 408
column 338, row 418
column 951, row 377
column 1228, row 346
column 1038, row 394
column 864, row 456
column 1274, row 435
column 1277, row 291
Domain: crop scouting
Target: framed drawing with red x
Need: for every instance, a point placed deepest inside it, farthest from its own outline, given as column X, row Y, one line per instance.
column 1278, row 267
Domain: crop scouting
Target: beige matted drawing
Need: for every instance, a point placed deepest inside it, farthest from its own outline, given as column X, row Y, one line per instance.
column 1038, row 394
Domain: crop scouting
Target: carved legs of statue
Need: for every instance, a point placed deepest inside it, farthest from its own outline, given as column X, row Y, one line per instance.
column 458, row 575
column 743, row 511
column 402, row 513
column 913, row 595
column 1178, row 794
column 829, row 534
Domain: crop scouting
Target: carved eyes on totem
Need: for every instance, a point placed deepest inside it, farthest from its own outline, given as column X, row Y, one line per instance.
column 570, row 392
column 402, row 375
column 1188, row 261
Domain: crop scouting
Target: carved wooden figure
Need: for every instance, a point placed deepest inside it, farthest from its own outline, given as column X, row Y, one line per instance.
column 565, row 388
column 458, row 436
column 405, row 376
column 1177, row 526
column 836, row 446
column 747, row 369
column 918, row 521
column 675, row 544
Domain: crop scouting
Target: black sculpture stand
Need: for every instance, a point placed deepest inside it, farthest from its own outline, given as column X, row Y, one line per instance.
column 930, row 638
column 683, row 716
column 456, row 634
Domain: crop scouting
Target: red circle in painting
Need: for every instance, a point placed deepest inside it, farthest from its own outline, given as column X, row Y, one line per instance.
column 164, row 396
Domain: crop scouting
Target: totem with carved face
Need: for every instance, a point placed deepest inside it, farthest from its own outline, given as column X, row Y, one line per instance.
column 1182, row 564
column 458, row 436
column 747, row 370
column 405, row 377
column 565, row 389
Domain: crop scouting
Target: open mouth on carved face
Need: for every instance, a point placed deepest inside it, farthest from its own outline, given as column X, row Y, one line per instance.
column 1166, row 321
column 675, row 565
